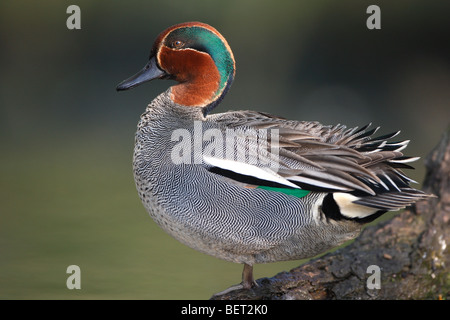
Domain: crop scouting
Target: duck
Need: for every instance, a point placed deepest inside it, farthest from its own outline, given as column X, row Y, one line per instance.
column 250, row 187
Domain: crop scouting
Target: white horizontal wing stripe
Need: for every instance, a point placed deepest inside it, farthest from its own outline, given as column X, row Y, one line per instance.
column 248, row 170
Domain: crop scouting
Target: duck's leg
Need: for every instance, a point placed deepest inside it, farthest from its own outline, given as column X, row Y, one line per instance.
column 247, row 281
column 247, row 277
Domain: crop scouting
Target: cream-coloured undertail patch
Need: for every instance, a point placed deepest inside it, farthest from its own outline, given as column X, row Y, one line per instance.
column 350, row 209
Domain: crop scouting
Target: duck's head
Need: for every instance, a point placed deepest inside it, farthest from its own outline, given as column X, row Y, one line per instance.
column 198, row 57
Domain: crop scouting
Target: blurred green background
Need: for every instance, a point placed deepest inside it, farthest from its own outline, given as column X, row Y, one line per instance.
column 67, row 191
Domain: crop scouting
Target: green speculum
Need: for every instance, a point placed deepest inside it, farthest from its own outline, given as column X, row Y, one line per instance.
column 299, row 193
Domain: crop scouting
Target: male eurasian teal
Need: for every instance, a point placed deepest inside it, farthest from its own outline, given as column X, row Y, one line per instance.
column 247, row 186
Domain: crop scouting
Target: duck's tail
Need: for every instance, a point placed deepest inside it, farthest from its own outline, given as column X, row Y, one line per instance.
column 391, row 187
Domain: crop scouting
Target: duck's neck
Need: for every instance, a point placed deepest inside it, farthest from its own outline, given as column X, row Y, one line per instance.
column 201, row 92
column 204, row 88
column 163, row 106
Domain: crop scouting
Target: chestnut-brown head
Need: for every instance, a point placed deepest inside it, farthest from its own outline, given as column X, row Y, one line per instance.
column 198, row 57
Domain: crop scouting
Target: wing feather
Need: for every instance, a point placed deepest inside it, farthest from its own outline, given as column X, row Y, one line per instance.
column 329, row 158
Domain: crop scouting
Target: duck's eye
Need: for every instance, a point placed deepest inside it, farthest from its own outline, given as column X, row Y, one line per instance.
column 177, row 44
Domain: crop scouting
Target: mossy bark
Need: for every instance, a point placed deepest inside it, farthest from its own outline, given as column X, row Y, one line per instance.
column 411, row 252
